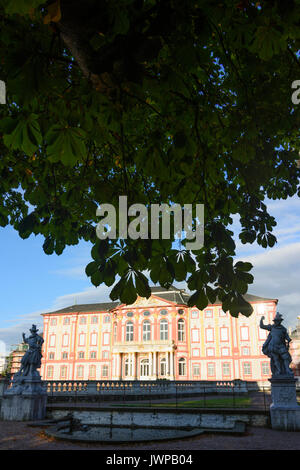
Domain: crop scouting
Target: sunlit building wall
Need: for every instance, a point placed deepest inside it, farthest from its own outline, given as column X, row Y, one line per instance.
column 156, row 338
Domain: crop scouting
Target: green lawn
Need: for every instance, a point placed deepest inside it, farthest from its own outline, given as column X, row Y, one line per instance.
column 228, row 402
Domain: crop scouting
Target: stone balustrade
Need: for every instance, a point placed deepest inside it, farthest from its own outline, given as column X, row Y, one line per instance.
column 114, row 388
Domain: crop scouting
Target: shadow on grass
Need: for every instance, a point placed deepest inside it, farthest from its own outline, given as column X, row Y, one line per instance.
column 207, row 403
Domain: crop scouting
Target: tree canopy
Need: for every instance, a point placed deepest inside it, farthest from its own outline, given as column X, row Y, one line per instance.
column 165, row 101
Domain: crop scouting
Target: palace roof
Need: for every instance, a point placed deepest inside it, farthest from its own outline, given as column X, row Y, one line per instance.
column 173, row 294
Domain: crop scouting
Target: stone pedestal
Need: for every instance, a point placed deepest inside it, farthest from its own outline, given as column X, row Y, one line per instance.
column 284, row 410
column 25, row 400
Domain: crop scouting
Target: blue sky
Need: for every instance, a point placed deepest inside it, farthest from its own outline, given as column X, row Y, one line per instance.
column 33, row 282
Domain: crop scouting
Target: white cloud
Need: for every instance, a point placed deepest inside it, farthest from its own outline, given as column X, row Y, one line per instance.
column 12, row 335
column 89, row 295
column 276, row 275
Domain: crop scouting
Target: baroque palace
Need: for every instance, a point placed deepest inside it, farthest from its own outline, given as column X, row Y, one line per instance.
column 156, row 338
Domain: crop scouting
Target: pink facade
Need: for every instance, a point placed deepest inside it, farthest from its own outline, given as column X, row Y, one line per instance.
column 156, row 338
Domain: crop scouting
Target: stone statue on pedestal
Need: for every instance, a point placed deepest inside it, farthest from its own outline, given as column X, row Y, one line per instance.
column 26, row 398
column 31, row 361
column 28, row 379
column 276, row 347
column 284, row 409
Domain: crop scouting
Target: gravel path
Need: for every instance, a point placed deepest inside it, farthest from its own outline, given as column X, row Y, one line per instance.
column 20, row 436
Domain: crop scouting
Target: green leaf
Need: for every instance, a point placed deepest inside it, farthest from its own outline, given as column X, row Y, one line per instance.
column 142, row 285
column 91, row 268
column 66, row 144
column 198, row 299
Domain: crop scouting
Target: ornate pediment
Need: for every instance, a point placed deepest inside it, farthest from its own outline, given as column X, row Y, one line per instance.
column 151, row 302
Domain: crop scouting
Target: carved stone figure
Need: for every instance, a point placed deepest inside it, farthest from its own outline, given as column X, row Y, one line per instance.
column 31, row 361
column 276, row 347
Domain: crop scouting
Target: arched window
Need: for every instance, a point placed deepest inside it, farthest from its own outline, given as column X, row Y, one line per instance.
column 164, row 330
column 163, row 366
column 129, row 331
column 181, row 330
column 146, row 330
column 145, row 368
column 182, row 366
column 126, row 368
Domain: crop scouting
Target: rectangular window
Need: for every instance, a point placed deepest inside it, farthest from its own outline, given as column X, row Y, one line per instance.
column 65, row 355
column 82, row 321
column 52, row 340
column 66, row 321
column 210, row 352
column 164, row 330
column 196, row 370
column 226, row 369
column 93, row 355
column 194, row 314
column 65, row 341
column 146, row 331
column 106, row 337
column 92, row 371
column 81, row 355
column 129, row 331
column 94, row 337
column 211, row 370
column 105, row 371
column 224, row 334
column 107, row 319
column 51, row 355
column 225, row 351
column 50, row 372
column 244, row 333
column 209, row 334
column 245, row 351
column 80, row 372
column 63, row 372
column 105, row 354
column 82, row 339
column 247, row 368
column 265, row 368
column 208, row 313
column 94, row 320
column 53, row 322
column 196, row 352
column 195, row 335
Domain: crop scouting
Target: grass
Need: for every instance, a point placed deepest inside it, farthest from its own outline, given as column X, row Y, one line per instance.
column 238, row 402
